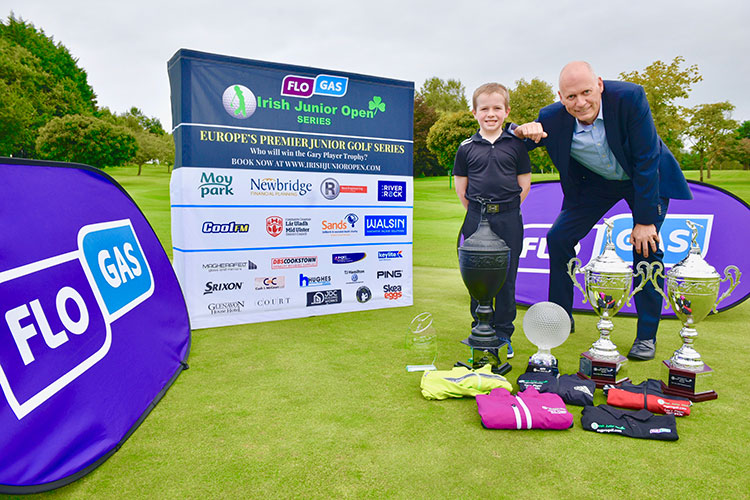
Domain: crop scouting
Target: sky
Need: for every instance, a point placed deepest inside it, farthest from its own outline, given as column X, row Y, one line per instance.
column 124, row 46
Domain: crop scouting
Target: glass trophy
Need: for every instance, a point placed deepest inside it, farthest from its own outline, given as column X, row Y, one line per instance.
column 421, row 344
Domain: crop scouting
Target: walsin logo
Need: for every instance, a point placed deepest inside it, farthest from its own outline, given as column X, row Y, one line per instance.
column 377, row 225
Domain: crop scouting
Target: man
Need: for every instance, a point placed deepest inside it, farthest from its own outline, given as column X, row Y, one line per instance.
column 602, row 139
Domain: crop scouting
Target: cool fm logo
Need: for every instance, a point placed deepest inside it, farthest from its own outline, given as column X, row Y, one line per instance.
column 304, row 87
column 674, row 236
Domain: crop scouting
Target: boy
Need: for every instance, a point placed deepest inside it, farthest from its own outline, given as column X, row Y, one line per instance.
column 493, row 165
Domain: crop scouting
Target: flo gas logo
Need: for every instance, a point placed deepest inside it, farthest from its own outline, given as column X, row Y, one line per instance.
column 304, row 87
column 238, row 101
column 58, row 311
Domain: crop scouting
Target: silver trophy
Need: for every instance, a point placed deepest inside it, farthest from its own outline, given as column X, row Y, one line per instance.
column 546, row 325
column 608, row 281
column 692, row 291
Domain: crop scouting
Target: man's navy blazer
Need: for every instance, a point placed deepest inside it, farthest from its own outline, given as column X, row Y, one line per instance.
column 631, row 136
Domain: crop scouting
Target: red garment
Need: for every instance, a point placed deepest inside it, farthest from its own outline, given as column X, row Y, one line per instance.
column 527, row 410
column 654, row 404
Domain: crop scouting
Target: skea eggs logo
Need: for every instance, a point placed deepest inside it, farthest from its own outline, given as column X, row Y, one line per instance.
column 291, row 262
column 305, row 281
column 274, row 225
column 209, row 227
column 270, row 186
column 391, row 254
column 59, row 311
column 345, row 226
column 330, row 189
column 379, row 225
column 215, row 185
column 392, row 292
column 391, row 191
column 304, row 86
column 347, row 258
column 323, row 297
column 212, row 287
column 238, row 101
column 269, row 283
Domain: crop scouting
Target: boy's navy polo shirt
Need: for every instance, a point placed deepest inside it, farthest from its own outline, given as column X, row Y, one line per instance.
column 492, row 169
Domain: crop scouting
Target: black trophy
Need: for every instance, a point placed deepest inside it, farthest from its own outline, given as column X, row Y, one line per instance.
column 483, row 260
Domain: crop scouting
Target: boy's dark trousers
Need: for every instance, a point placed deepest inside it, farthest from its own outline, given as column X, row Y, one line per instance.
column 508, row 225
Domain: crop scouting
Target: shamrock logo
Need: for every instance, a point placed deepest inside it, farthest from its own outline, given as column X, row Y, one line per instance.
column 377, row 104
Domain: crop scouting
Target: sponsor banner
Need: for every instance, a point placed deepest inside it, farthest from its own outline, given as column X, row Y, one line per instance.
column 720, row 214
column 87, row 296
column 302, row 172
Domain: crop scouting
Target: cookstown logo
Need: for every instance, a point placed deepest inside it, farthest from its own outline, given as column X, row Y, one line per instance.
column 238, row 101
column 215, row 185
column 291, row 262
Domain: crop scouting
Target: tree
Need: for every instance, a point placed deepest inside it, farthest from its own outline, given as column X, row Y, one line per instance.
column 39, row 80
column 447, row 134
column 744, row 130
column 154, row 144
column 708, row 128
column 526, row 99
column 86, row 139
column 664, row 84
column 444, row 96
column 425, row 162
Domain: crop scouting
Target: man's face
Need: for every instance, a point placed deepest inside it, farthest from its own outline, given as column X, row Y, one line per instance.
column 581, row 94
column 491, row 112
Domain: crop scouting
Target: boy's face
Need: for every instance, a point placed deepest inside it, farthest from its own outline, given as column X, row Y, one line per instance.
column 491, row 112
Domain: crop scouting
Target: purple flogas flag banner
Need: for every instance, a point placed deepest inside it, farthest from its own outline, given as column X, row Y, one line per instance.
column 723, row 239
column 93, row 325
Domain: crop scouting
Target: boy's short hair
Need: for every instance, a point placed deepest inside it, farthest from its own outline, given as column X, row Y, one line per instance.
column 490, row 88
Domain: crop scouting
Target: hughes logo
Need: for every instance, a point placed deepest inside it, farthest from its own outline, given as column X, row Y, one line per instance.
column 212, row 287
column 377, row 225
column 347, row 258
column 392, row 292
column 391, row 191
column 59, row 311
column 227, row 227
column 215, row 185
column 323, row 297
column 397, row 273
column 276, row 187
column 238, row 101
column 305, row 281
column 390, row 254
column 304, row 87
column 290, row 262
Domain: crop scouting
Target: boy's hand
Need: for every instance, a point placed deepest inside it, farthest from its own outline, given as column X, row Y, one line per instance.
column 531, row 130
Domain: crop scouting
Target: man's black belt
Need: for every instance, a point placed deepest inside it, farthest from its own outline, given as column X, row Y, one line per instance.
column 494, row 208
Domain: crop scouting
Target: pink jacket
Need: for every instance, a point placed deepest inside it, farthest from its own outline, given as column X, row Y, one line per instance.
column 527, row 410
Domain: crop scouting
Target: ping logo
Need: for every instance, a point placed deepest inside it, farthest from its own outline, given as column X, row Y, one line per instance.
column 58, row 311
column 304, row 87
column 675, row 236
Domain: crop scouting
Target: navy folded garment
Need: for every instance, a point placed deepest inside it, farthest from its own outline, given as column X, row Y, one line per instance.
column 571, row 388
column 642, row 424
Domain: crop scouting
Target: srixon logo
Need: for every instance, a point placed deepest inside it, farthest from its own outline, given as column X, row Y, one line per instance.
column 58, row 311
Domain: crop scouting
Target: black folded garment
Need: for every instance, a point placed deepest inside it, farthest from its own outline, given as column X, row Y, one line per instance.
column 571, row 388
column 642, row 424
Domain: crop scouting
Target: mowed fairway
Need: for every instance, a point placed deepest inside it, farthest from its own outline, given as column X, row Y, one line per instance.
column 322, row 407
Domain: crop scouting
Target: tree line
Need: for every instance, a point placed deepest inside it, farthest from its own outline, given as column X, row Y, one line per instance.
column 701, row 137
column 48, row 110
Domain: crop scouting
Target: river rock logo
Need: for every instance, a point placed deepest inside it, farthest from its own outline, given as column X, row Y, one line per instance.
column 239, row 101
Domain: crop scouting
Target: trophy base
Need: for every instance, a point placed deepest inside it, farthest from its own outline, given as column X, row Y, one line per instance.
column 542, row 368
column 686, row 383
column 495, row 356
column 600, row 371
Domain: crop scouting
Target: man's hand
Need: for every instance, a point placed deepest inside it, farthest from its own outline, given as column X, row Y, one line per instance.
column 531, row 130
column 644, row 236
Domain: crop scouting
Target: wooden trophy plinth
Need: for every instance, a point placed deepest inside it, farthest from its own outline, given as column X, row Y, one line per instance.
column 602, row 372
column 693, row 385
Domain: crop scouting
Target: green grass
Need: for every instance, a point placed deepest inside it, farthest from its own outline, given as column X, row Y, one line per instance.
column 321, row 407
